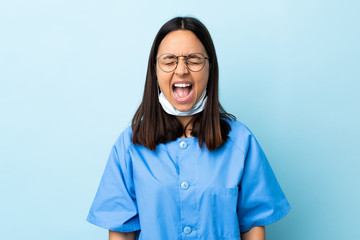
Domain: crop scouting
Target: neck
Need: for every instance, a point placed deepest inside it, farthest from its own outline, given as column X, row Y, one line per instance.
column 184, row 120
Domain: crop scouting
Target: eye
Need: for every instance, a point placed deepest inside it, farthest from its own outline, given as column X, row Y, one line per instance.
column 195, row 59
column 193, row 63
column 168, row 60
column 169, row 63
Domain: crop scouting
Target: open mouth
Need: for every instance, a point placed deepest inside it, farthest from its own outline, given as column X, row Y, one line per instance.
column 182, row 91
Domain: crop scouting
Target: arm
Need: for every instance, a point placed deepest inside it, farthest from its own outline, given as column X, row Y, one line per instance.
column 114, row 235
column 256, row 233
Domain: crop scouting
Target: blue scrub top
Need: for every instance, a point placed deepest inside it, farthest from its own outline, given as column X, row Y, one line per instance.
column 182, row 191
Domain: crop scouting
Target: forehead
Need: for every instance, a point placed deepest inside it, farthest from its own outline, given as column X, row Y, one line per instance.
column 181, row 42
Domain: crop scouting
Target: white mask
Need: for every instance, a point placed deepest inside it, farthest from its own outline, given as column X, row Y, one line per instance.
column 168, row 108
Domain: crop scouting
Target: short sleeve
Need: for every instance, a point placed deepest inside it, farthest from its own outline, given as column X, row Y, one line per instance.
column 261, row 200
column 114, row 206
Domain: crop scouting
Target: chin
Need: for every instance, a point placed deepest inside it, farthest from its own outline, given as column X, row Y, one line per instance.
column 183, row 108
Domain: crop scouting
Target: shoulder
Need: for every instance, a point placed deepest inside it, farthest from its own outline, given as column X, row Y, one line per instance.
column 238, row 130
column 240, row 135
column 123, row 142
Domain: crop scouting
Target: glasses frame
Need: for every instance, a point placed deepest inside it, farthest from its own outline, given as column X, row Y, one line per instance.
column 186, row 61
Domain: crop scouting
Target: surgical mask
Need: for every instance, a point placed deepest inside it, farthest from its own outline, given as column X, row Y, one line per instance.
column 168, row 108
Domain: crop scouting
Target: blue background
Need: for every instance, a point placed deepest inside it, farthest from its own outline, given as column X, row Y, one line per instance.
column 72, row 76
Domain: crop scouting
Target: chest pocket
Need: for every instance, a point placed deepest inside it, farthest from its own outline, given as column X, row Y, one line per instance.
column 225, row 220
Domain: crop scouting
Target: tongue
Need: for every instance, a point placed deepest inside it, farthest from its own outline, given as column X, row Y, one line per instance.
column 182, row 92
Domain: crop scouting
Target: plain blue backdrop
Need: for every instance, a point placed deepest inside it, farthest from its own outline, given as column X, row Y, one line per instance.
column 72, row 75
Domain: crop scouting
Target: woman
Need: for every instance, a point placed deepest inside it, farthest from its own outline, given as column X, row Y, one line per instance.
column 186, row 169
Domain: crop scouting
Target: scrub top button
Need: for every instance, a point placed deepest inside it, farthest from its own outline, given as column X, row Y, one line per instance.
column 184, row 185
column 183, row 145
column 187, row 230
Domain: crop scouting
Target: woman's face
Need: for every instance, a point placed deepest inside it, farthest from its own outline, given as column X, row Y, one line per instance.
column 182, row 88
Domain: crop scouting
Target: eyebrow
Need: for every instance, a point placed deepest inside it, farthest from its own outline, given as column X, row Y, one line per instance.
column 193, row 55
column 170, row 56
column 190, row 55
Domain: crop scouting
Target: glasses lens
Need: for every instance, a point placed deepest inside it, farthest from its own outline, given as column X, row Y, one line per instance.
column 167, row 62
column 195, row 62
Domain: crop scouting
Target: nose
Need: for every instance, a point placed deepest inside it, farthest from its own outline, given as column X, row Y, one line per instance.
column 181, row 68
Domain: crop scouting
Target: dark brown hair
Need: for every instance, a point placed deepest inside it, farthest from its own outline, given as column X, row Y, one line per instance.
column 151, row 125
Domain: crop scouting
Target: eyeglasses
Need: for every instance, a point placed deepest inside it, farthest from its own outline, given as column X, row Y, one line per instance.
column 194, row 61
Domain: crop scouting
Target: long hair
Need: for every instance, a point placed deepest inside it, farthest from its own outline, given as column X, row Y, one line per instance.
column 151, row 125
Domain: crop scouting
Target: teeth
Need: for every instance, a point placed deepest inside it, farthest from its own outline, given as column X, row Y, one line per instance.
column 182, row 85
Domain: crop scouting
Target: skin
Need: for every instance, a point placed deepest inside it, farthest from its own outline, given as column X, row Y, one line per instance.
column 184, row 42
column 113, row 235
column 255, row 233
